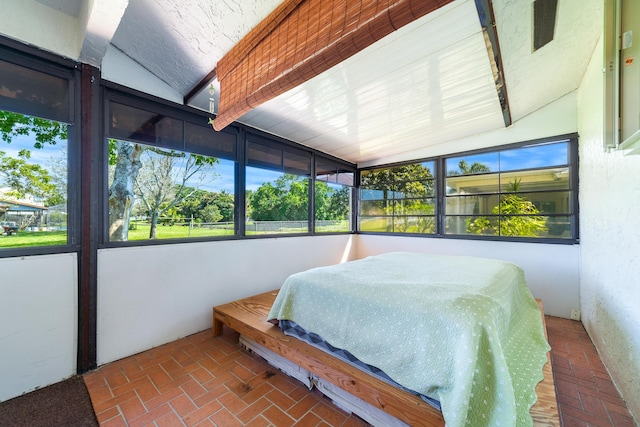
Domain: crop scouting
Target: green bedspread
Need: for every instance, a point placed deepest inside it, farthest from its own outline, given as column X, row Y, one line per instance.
column 463, row 330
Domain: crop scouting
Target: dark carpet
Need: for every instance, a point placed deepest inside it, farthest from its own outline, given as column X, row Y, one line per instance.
column 66, row 403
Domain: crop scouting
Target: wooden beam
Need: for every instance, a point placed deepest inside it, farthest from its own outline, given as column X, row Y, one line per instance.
column 90, row 194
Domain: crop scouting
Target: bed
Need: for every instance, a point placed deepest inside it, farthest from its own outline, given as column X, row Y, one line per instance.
column 461, row 330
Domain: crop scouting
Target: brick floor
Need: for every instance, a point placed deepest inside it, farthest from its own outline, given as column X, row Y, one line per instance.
column 586, row 396
column 204, row 381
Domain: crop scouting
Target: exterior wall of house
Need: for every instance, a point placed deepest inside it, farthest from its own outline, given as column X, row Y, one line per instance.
column 551, row 270
column 148, row 296
column 610, row 242
column 38, row 322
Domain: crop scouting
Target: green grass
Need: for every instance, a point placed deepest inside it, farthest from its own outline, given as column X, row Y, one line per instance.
column 33, row 238
column 51, row 238
column 141, row 232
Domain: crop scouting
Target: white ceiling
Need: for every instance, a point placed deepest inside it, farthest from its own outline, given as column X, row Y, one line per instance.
column 427, row 84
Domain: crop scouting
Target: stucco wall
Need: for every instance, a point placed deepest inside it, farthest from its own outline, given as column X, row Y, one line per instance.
column 610, row 263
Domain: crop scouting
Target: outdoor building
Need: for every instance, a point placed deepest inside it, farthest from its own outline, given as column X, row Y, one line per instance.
column 27, row 215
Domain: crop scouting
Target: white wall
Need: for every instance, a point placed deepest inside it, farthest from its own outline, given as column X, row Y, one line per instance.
column 38, row 322
column 551, row 270
column 610, row 264
column 43, row 26
column 120, row 68
column 148, row 296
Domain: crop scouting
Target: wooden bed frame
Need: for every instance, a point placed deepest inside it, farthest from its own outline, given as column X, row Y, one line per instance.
column 248, row 317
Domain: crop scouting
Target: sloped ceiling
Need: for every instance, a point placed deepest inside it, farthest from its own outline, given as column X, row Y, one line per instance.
column 427, row 84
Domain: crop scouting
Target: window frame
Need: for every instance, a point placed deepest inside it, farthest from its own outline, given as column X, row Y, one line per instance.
column 22, row 56
column 113, row 92
column 440, row 177
column 434, row 166
column 342, row 170
column 122, row 96
column 280, row 149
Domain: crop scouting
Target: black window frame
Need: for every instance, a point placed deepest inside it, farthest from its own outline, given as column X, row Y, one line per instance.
column 116, row 95
column 342, row 174
column 112, row 92
column 395, row 196
column 440, row 176
column 282, row 159
column 64, row 69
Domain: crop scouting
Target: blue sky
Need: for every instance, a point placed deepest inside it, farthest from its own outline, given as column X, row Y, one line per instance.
column 517, row 158
column 41, row 157
column 255, row 177
column 520, row 158
column 224, row 169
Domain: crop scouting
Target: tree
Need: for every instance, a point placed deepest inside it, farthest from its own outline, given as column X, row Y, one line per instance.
column 57, row 167
column 24, row 178
column 407, row 192
column 331, row 203
column 515, row 216
column 44, row 131
column 225, row 203
column 200, row 206
column 162, row 184
column 266, row 203
column 21, row 176
column 287, row 200
column 339, row 203
column 210, row 214
column 126, row 157
column 155, row 190
column 465, row 169
column 295, row 203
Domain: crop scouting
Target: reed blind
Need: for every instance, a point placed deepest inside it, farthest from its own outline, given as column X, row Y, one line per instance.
column 301, row 39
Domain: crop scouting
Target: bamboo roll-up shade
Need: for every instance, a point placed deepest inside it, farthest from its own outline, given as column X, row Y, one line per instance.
column 301, row 39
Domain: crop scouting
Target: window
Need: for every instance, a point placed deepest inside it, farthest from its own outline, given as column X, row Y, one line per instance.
column 277, row 188
column 176, row 194
column 398, row 199
column 519, row 192
column 33, row 181
column 35, row 148
column 169, row 177
column 333, row 196
column 523, row 191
